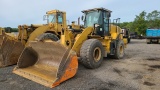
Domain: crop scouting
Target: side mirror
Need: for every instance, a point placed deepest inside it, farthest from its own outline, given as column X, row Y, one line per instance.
column 45, row 17
column 83, row 18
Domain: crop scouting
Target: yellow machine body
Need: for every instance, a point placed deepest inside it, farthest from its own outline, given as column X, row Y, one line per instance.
column 50, row 63
column 12, row 46
column 57, row 68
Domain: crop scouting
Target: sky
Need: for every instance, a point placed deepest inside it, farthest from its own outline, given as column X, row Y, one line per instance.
column 19, row 12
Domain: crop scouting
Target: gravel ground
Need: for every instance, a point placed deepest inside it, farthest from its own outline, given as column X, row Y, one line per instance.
column 139, row 70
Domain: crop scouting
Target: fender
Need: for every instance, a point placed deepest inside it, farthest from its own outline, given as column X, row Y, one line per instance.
column 38, row 32
column 81, row 38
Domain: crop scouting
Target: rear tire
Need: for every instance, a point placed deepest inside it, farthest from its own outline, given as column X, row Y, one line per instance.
column 119, row 51
column 47, row 36
column 129, row 40
column 91, row 53
column 148, row 41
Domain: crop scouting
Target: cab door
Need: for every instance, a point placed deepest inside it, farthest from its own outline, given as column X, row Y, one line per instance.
column 105, row 24
column 60, row 21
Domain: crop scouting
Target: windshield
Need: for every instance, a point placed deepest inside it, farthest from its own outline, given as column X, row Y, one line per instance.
column 51, row 18
column 92, row 18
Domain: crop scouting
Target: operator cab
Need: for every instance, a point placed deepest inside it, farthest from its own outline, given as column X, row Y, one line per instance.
column 99, row 19
column 54, row 16
column 56, row 19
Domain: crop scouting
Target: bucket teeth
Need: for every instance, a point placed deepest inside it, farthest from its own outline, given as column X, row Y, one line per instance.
column 47, row 63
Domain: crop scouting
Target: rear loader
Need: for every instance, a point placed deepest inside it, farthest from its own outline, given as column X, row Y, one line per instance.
column 126, row 34
column 50, row 63
column 11, row 46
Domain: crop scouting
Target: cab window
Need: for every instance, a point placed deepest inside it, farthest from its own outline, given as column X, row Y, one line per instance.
column 60, row 18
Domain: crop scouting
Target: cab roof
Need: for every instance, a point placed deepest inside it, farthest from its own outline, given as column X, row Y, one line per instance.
column 94, row 9
column 54, row 11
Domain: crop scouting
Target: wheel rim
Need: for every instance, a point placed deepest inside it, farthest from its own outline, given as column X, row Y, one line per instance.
column 97, row 54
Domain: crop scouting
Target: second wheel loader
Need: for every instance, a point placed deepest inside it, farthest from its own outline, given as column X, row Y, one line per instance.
column 11, row 46
column 50, row 63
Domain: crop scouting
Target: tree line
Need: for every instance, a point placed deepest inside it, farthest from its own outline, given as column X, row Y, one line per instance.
column 9, row 29
column 143, row 21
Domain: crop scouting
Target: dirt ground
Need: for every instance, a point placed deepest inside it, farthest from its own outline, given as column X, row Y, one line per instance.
column 139, row 70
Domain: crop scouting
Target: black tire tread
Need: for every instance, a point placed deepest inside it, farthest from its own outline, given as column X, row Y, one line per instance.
column 48, row 36
column 85, row 50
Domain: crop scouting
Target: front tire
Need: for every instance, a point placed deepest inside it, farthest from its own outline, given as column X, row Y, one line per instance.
column 48, row 36
column 129, row 40
column 91, row 53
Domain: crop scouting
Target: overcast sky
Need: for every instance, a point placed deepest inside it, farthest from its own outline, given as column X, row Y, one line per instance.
column 19, row 12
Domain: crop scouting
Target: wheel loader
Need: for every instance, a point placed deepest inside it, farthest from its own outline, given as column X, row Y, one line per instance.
column 4, row 31
column 6, row 47
column 11, row 47
column 126, row 34
column 50, row 63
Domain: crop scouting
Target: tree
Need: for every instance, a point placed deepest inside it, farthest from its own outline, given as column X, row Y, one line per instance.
column 153, row 19
column 139, row 24
column 143, row 21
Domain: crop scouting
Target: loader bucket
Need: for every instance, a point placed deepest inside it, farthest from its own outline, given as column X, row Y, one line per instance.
column 10, row 51
column 47, row 63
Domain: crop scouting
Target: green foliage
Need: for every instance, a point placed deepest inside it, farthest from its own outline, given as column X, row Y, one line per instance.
column 9, row 29
column 143, row 21
column 14, row 30
column 153, row 19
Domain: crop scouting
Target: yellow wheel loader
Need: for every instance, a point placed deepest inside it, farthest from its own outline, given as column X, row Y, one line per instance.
column 11, row 47
column 7, row 48
column 50, row 63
